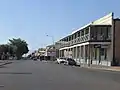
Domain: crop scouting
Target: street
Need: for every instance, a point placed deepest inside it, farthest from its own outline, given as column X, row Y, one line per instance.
column 36, row 75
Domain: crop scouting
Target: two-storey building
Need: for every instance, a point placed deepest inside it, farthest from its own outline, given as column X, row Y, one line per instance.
column 95, row 43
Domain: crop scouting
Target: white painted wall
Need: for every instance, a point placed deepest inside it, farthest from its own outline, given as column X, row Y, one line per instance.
column 106, row 20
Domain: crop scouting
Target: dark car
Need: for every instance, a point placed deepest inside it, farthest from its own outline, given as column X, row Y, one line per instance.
column 71, row 61
column 35, row 59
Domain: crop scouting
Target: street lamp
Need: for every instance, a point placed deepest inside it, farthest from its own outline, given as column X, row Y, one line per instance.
column 52, row 38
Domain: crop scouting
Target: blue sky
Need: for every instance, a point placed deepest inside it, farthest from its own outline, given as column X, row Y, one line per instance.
column 32, row 20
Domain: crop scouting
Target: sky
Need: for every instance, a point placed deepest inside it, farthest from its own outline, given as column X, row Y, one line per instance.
column 33, row 20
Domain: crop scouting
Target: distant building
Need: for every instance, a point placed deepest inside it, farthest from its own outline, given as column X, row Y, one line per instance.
column 50, row 51
column 42, row 51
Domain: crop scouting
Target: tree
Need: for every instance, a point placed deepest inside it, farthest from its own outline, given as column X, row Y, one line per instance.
column 3, row 48
column 20, row 47
column 12, row 50
column 5, row 51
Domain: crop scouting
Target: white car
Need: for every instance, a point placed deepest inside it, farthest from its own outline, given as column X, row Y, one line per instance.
column 61, row 60
column 77, row 62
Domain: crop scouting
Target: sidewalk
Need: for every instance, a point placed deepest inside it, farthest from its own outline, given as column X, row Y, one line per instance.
column 114, row 68
column 110, row 68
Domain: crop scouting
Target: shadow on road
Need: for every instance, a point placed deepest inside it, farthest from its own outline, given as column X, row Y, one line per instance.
column 15, row 73
column 2, row 65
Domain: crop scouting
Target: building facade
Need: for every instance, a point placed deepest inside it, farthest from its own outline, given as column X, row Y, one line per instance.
column 96, row 43
column 42, row 51
column 50, row 51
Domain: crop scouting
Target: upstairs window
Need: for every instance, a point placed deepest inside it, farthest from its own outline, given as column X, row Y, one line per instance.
column 82, row 33
column 79, row 34
column 87, row 31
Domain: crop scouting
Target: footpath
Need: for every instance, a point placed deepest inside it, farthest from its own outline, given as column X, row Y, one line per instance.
column 110, row 68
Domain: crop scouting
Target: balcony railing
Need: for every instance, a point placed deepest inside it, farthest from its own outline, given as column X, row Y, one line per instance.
column 100, row 37
column 76, row 41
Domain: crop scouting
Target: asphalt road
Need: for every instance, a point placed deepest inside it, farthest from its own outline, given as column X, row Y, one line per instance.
column 36, row 75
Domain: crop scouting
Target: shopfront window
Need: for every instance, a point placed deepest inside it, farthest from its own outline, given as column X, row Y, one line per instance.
column 95, row 53
column 103, row 52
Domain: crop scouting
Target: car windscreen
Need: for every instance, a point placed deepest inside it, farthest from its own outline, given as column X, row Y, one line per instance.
column 69, row 59
column 62, row 58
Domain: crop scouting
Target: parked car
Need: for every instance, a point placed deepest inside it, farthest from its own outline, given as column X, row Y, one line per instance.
column 70, row 61
column 61, row 60
column 77, row 63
